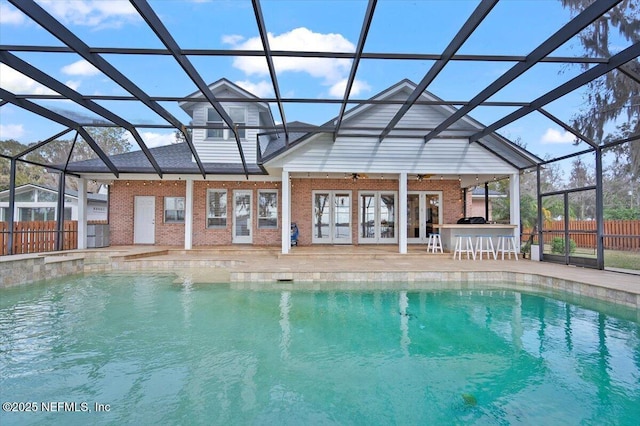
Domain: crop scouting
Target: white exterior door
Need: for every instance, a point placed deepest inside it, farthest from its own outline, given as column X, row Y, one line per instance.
column 423, row 211
column 377, row 217
column 331, row 217
column 242, row 217
column 144, row 220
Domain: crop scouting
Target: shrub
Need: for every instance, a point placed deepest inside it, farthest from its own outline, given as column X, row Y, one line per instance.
column 557, row 245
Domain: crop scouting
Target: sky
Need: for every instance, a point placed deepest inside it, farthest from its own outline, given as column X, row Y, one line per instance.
column 514, row 27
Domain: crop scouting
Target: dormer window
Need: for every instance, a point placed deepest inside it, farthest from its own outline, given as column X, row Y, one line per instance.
column 237, row 114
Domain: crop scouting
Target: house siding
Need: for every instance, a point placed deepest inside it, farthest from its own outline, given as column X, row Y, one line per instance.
column 225, row 150
column 418, row 117
column 393, row 155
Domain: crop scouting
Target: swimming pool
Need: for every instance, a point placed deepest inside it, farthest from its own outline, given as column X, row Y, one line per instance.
column 146, row 349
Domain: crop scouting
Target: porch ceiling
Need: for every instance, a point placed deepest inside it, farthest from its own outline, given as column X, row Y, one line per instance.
column 65, row 41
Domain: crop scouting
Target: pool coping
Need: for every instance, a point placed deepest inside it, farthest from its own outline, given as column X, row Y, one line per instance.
column 309, row 269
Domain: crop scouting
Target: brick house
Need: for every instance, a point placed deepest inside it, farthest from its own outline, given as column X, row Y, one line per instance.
column 345, row 188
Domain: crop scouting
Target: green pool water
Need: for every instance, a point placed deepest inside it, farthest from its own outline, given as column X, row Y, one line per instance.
column 148, row 350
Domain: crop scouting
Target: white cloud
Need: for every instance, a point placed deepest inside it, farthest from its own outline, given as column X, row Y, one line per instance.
column 555, row 136
column 331, row 70
column 261, row 89
column 232, row 39
column 10, row 15
column 11, row 131
column 73, row 84
column 152, row 139
column 92, row 13
column 80, row 67
column 16, row 82
column 338, row 89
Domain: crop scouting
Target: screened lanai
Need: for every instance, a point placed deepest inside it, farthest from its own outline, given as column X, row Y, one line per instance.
column 71, row 73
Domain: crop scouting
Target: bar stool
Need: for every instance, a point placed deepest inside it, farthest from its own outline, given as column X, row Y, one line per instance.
column 506, row 244
column 434, row 243
column 484, row 244
column 464, row 244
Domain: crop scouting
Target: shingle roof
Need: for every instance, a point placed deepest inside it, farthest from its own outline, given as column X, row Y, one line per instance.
column 172, row 159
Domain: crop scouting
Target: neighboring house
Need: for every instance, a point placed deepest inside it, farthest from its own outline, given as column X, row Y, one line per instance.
column 478, row 202
column 35, row 202
column 355, row 189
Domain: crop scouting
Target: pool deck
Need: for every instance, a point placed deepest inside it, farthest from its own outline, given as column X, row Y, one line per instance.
column 365, row 266
column 356, row 259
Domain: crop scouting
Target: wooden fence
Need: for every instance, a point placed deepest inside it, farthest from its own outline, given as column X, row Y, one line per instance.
column 37, row 236
column 619, row 234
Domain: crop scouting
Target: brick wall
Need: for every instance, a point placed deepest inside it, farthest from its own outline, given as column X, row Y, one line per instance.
column 122, row 196
column 122, row 206
column 302, row 199
column 203, row 236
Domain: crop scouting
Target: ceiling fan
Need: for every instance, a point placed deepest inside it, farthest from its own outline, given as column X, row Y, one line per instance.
column 356, row 176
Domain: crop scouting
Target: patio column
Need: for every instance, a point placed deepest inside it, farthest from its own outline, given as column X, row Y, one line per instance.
column 514, row 206
column 402, row 213
column 286, row 209
column 188, row 215
column 82, row 213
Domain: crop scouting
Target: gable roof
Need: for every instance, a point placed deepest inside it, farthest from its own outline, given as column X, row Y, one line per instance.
column 218, row 86
column 494, row 142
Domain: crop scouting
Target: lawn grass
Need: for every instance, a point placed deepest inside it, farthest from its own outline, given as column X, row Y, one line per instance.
column 612, row 258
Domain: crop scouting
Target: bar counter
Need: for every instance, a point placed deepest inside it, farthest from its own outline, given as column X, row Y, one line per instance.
column 448, row 231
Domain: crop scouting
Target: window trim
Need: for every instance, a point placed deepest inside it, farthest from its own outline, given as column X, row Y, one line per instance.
column 269, row 191
column 226, row 209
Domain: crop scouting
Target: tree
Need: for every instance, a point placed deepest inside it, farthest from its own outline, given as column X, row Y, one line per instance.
column 615, row 95
column 25, row 173
column 112, row 140
column 583, row 202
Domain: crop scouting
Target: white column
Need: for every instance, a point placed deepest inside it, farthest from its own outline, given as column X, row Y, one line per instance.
column 514, row 206
column 188, row 216
column 402, row 212
column 82, row 213
column 286, row 209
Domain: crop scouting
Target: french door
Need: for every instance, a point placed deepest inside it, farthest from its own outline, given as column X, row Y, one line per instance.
column 331, row 217
column 242, row 218
column 423, row 211
column 377, row 217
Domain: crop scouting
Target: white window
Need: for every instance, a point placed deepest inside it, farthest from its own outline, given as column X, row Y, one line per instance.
column 214, row 119
column 268, row 209
column 239, row 117
column 173, row 209
column 216, row 208
column 237, row 114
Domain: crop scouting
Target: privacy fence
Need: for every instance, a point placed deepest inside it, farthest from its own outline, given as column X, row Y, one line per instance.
column 37, row 236
column 618, row 234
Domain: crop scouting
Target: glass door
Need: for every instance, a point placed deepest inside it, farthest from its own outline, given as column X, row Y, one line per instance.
column 377, row 217
column 342, row 218
column 331, row 217
column 242, row 223
column 423, row 212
